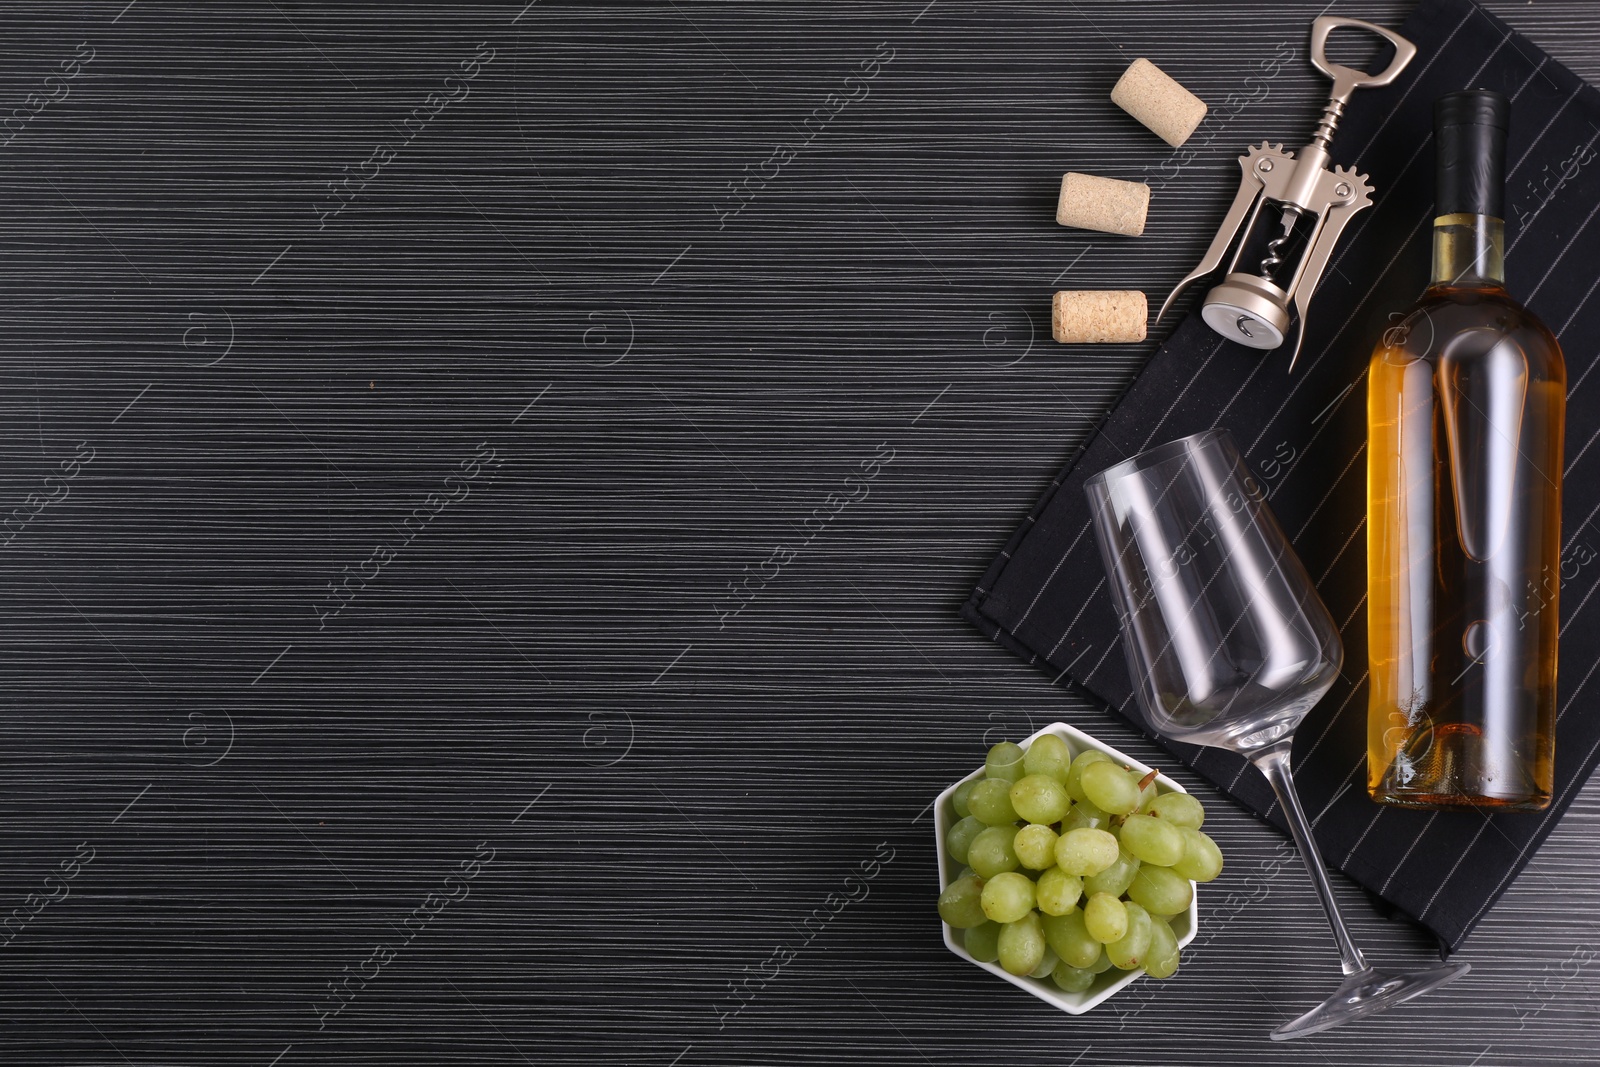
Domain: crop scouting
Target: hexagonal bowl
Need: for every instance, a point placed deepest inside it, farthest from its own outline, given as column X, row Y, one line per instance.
column 1107, row 983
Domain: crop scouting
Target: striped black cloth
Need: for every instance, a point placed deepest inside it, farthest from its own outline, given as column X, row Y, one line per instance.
column 1304, row 435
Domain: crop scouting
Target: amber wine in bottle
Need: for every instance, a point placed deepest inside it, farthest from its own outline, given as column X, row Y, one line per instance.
column 1465, row 404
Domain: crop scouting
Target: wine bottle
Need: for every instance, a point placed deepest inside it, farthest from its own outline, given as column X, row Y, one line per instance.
column 1466, row 399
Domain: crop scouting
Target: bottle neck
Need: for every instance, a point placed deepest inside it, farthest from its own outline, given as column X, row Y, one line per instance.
column 1469, row 252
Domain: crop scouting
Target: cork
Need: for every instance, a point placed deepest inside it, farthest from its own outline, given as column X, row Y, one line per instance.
column 1103, row 204
column 1146, row 92
column 1094, row 317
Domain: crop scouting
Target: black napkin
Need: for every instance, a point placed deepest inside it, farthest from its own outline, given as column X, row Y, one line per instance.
column 1305, row 435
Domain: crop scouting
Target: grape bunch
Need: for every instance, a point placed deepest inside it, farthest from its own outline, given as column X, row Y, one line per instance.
column 1073, row 865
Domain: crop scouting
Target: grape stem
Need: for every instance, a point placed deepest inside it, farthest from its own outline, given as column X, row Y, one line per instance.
column 1274, row 763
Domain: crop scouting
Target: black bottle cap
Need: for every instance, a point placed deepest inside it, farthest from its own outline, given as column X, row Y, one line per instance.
column 1469, row 133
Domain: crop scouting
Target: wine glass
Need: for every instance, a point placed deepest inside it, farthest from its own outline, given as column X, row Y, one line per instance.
column 1228, row 645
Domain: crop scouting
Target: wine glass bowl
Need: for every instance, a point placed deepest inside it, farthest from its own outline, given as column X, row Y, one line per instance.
column 1224, row 644
column 1228, row 645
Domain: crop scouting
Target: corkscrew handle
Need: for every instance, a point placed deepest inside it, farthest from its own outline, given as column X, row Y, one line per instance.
column 1347, row 80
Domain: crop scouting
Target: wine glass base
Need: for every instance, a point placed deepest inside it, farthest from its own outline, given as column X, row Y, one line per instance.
column 1367, row 992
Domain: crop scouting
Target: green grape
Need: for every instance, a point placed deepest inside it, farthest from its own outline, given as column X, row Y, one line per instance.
column 992, row 852
column 1086, row 814
column 983, row 942
column 1105, row 918
column 1006, row 897
column 1130, row 950
column 1110, row 788
column 1202, row 859
column 1161, row 891
column 1057, row 891
column 1071, row 979
column 990, row 802
column 958, row 799
column 1161, row 960
column 1070, row 939
column 1180, row 809
column 1022, row 945
column 1101, row 964
column 1039, row 798
column 1050, row 962
column 960, row 904
column 1084, row 851
column 1048, row 755
column 1074, row 782
column 959, row 837
column 1153, row 840
column 1004, row 762
column 1115, row 878
column 1036, row 846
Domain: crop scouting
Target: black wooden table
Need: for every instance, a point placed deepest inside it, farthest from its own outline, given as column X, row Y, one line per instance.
column 489, row 491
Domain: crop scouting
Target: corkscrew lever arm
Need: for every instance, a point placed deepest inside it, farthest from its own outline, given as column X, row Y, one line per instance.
column 1244, row 200
column 1316, row 260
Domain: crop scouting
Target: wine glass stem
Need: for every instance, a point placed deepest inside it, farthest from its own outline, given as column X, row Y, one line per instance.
column 1274, row 763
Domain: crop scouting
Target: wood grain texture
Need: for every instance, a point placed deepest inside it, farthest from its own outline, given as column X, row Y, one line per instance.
column 533, row 398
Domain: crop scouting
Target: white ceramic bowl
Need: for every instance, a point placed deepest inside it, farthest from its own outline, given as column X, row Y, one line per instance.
column 1106, row 983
